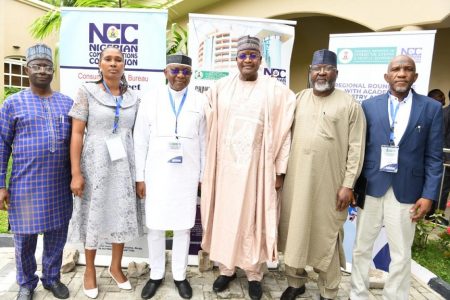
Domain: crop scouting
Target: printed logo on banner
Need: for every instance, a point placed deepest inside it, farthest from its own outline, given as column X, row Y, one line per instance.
column 122, row 36
column 414, row 53
column 366, row 55
column 345, row 56
column 279, row 74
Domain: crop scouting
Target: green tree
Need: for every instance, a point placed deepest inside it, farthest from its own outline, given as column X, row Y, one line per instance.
column 51, row 21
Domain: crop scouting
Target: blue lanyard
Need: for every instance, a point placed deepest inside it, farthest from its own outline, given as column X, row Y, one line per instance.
column 393, row 114
column 118, row 103
column 176, row 113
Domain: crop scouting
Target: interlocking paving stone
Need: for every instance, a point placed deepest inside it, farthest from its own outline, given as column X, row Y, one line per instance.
column 274, row 283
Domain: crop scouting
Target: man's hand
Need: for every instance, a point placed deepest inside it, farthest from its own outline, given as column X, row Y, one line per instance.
column 279, row 181
column 4, row 199
column 77, row 185
column 343, row 198
column 140, row 189
column 420, row 208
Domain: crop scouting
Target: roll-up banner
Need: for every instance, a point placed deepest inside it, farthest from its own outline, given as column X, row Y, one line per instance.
column 213, row 44
column 141, row 36
column 139, row 33
column 363, row 60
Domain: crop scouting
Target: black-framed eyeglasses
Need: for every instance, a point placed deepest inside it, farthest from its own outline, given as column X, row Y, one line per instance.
column 176, row 71
column 327, row 68
column 38, row 68
column 251, row 56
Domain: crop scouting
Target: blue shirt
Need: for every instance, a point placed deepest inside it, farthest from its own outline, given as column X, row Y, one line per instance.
column 36, row 131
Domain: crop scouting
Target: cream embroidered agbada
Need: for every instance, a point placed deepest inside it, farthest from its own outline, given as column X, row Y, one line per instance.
column 248, row 141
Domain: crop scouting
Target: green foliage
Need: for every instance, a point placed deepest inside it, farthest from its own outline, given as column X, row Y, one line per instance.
column 431, row 247
column 423, row 231
column 432, row 258
column 46, row 25
column 3, row 222
column 4, row 214
column 51, row 21
column 8, row 91
column 177, row 39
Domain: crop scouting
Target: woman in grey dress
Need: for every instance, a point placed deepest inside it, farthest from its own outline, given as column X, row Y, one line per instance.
column 106, row 208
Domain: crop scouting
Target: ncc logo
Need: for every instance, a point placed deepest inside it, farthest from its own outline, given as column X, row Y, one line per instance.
column 278, row 73
column 414, row 53
column 113, row 33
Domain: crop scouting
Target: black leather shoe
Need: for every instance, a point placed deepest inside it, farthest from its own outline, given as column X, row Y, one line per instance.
column 322, row 298
column 24, row 294
column 58, row 289
column 291, row 292
column 150, row 288
column 184, row 289
column 254, row 290
column 222, row 282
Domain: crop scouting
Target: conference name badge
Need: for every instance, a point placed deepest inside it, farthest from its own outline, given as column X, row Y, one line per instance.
column 115, row 148
column 389, row 159
column 175, row 153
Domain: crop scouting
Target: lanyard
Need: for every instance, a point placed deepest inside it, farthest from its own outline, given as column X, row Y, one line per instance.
column 176, row 113
column 117, row 110
column 393, row 114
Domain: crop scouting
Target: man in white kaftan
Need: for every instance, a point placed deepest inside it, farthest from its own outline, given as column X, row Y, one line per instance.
column 247, row 150
column 169, row 138
column 326, row 158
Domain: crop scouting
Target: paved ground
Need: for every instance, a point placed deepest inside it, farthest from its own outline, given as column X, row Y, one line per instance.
column 274, row 284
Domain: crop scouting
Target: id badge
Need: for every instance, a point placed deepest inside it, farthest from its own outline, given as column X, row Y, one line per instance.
column 115, row 148
column 175, row 152
column 389, row 159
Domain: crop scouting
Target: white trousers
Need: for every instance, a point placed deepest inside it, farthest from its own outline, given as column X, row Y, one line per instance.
column 157, row 253
column 395, row 216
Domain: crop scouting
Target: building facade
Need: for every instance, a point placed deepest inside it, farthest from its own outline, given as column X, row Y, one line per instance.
column 316, row 20
column 16, row 17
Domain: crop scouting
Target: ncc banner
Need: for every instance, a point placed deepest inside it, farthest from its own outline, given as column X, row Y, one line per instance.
column 213, row 42
column 141, row 36
column 363, row 59
column 139, row 33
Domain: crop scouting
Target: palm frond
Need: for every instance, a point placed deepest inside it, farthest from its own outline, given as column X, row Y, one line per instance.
column 177, row 39
column 46, row 25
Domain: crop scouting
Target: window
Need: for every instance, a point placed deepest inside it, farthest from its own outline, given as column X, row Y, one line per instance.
column 15, row 75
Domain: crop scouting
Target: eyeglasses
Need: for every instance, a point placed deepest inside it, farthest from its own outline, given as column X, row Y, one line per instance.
column 176, row 71
column 251, row 56
column 38, row 68
column 327, row 68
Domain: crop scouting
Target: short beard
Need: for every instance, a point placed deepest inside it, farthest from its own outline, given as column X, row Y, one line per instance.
column 401, row 89
column 322, row 87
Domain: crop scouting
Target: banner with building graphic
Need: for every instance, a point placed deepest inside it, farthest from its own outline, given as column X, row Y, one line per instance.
column 363, row 60
column 139, row 33
column 213, row 42
column 141, row 36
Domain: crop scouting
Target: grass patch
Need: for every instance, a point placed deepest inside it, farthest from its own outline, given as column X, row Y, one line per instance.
column 3, row 222
column 4, row 214
column 432, row 257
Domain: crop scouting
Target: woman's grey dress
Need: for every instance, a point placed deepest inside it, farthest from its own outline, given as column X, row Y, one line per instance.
column 109, row 210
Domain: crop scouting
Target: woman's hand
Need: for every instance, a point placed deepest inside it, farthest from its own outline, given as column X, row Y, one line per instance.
column 77, row 185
